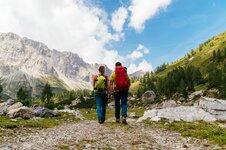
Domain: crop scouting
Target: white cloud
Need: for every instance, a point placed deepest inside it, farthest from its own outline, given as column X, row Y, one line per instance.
column 144, row 66
column 67, row 25
column 118, row 19
column 138, row 52
column 142, row 48
column 142, row 10
column 111, row 57
column 135, row 55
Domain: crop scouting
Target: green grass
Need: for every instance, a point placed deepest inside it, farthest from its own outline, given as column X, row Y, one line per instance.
column 201, row 87
column 7, row 125
column 88, row 141
column 202, row 130
column 63, row 147
column 92, row 115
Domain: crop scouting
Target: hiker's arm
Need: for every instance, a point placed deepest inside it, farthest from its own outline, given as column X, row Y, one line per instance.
column 107, row 84
column 94, row 80
column 111, row 90
column 111, row 86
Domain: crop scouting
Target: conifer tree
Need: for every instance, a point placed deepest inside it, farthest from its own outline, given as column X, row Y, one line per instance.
column 182, row 88
column 22, row 94
column 214, row 56
column 46, row 96
column 218, row 56
column 225, row 52
column 197, row 76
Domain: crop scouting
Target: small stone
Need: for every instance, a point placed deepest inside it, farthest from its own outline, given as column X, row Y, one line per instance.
column 88, row 146
column 88, row 112
column 206, row 144
column 14, row 120
column 133, row 115
column 185, row 146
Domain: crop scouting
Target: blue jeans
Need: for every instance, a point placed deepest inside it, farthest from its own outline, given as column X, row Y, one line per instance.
column 121, row 101
column 101, row 101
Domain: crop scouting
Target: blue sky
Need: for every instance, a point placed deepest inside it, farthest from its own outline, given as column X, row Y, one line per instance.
column 141, row 33
column 174, row 32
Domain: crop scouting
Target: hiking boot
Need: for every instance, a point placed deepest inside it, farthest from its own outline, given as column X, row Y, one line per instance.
column 117, row 120
column 124, row 120
column 101, row 122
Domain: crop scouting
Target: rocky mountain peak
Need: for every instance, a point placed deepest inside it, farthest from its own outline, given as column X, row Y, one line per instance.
column 63, row 70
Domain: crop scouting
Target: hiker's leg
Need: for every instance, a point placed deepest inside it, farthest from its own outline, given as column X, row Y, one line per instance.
column 98, row 106
column 117, row 105
column 104, row 103
column 124, row 97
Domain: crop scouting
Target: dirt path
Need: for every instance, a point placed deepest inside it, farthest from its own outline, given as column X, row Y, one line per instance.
column 91, row 135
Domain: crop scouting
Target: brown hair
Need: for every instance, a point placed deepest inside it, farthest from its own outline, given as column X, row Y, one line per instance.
column 101, row 69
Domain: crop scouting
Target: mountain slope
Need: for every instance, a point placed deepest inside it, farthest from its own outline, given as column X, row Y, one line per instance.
column 30, row 64
column 201, row 56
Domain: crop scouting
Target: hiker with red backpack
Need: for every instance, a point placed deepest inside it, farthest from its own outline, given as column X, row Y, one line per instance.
column 100, row 84
column 119, row 85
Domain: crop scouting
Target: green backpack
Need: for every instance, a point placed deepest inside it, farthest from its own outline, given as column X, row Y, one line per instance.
column 100, row 83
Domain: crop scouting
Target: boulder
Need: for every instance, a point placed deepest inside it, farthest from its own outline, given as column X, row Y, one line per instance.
column 131, row 99
column 148, row 97
column 23, row 112
column 111, row 105
column 181, row 113
column 44, row 112
column 216, row 107
column 169, row 103
column 14, row 106
column 4, row 106
column 77, row 113
column 196, row 93
column 75, row 102
column 66, row 107
column 133, row 115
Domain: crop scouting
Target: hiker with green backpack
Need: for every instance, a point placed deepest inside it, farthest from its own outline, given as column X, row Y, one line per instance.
column 100, row 84
column 119, row 86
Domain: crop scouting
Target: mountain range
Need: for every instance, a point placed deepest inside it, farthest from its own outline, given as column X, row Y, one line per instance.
column 30, row 64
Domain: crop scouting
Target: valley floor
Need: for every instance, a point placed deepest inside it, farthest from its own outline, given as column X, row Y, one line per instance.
column 89, row 134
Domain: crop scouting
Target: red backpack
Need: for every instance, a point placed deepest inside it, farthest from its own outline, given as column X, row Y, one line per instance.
column 121, row 79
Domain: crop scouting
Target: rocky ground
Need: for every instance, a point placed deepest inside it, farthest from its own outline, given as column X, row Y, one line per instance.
column 91, row 135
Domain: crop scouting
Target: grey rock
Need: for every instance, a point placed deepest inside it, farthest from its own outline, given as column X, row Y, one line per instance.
column 14, row 106
column 131, row 99
column 44, row 112
column 66, row 107
column 196, row 93
column 75, row 102
column 169, row 103
column 148, row 96
column 111, row 105
column 23, row 112
column 181, row 99
column 4, row 106
column 216, row 107
column 77, row 113
column 181, row 113
column 133, row 115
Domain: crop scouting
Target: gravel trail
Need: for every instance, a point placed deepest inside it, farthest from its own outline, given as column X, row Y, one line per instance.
column 91, row 135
